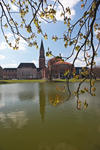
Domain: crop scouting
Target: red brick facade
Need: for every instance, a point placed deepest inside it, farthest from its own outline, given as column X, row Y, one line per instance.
column 57, row 67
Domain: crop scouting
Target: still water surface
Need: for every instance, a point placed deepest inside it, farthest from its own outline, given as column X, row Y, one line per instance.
column 38, row 116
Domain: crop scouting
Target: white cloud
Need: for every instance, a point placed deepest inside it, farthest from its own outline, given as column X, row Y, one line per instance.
column 13, row 65
column 13, row 7
column 79, row 63
column 35, row 62
column 96, row 32
column 4, row 45
column 22, row 44
column 2, row 104
column 80, row 60
column 97, row 59
column 2, row 57
column 66, row 3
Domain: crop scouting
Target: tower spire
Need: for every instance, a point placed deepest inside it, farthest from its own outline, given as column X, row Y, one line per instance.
column 42, row 50
column 42, row 56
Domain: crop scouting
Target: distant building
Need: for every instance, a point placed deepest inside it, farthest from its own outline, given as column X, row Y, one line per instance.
column 9, row 73
column 55, row 68
column 78, row 70
column 96, row 71
column 81, row 72
column 1, row 72
column 26, row 71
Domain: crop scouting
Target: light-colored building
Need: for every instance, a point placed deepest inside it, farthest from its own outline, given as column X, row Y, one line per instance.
column 27, row 71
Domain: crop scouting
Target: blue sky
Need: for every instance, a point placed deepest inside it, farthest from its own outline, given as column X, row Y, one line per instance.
column 12, row 58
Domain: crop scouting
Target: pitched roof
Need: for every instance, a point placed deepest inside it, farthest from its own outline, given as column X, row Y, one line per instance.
column 27, row 65
column 62, row 62
column 54, row 60
column 57, row 61
column 10, row 69
column 0, row 67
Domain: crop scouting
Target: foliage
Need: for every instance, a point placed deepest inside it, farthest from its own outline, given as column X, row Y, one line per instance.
column 79, row 36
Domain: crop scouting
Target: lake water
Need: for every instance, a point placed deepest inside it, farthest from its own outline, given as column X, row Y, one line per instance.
column 41, row 116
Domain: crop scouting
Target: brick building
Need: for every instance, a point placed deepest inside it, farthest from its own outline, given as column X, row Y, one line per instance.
column 1, row 72
column 9, row 73
column 96, row 71
column 56, row 68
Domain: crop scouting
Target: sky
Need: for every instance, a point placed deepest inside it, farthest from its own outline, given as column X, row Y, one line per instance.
column 12, row 58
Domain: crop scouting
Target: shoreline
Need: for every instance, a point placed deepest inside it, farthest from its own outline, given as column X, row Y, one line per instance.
column 41, row 81
column 20, row 81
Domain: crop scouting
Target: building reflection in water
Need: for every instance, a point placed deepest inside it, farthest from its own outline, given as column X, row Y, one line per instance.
column 42, row 100
column 26, row 95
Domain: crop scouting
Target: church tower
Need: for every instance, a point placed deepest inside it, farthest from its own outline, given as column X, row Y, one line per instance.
column 42, row 56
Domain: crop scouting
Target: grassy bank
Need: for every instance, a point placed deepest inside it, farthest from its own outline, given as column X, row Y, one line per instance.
column 20, row 81
column 73, row 80
column 40, row 81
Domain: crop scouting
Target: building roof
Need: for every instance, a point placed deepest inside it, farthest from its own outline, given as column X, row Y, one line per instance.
column 62, row 62
column 57, row 61
column 0, row 67
column 53, row 60
column 10, row 69
column 27, row 65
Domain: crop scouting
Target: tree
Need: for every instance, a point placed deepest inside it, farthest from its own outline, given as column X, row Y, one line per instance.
column 79, row 35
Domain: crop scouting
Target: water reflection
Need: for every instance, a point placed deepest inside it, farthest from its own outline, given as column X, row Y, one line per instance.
column 58, row 95
column 2, row 104
column 13, row 119
column 40, row 125
column 28, row 91
column 42, row 100
column 0, row 96
column 49, row 92
column 58, row 146
column 26, row 95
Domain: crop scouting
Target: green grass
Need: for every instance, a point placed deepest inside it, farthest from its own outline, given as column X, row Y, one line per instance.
column 20, row 81
column 73, row 80
column 40, row 81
